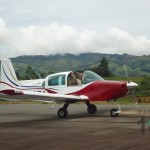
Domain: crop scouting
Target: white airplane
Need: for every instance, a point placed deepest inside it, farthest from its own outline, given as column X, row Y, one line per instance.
column 64, row 87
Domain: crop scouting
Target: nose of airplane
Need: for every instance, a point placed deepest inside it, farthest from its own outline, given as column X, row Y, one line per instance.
column 131, row 85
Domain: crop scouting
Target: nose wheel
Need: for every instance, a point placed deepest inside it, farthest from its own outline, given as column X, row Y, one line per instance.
column 114, row 113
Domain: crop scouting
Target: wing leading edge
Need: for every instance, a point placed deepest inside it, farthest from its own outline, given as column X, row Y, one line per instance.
column 54, row 97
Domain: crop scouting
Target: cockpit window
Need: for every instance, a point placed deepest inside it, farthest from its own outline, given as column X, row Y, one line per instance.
column 89, row 76
column 56, row 80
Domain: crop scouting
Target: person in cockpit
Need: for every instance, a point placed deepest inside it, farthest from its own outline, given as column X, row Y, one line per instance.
column 71, row 79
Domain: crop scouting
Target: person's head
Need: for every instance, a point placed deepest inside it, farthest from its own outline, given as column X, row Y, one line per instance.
column 71, row 75
column 79, row 75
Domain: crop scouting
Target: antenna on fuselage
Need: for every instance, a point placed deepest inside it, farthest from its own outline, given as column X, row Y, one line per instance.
column 37, row 74
column 29, row 76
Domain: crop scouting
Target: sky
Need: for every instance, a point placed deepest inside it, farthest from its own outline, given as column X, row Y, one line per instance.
column 44, row 27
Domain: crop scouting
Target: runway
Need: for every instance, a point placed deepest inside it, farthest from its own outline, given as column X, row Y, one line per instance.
column 37, row 127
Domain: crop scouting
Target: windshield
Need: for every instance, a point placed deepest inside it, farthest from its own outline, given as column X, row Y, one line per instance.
column 89, row 76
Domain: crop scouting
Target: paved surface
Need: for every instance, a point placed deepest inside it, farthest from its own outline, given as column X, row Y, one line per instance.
column 36, row 127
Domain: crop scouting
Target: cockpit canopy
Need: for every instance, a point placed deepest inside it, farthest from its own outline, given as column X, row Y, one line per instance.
column 61, row 79
column 89, row 76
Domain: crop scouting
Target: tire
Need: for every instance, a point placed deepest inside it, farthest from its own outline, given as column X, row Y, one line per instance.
column 62, row 113
column 92, row 109
column 113, row 113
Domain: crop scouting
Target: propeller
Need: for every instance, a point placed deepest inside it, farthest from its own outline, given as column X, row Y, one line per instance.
column 131, row 86
column 125, row 69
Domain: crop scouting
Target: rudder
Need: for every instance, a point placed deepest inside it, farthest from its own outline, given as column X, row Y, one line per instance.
column 8, row 75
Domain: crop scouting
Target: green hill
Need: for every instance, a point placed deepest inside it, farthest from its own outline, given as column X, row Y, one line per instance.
column 136, row 65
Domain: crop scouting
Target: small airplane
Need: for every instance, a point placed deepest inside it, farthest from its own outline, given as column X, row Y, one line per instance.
column 65, row 87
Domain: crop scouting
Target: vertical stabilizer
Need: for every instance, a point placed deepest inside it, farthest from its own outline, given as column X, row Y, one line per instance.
column 8, row 75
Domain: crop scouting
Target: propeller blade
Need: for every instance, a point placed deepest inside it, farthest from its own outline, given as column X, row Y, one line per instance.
column 125, row 69
column 131, row 86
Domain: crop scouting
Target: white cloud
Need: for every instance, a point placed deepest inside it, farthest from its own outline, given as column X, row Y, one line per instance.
column 55, row 38
column 3, row 32
column 22, row 11
column 2, row 9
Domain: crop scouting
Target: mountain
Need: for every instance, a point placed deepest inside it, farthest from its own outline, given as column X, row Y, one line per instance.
column 136, row 65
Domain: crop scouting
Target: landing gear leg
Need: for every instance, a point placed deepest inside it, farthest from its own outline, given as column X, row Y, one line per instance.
column 91, row 108
column 63, row 112
column 115, row 112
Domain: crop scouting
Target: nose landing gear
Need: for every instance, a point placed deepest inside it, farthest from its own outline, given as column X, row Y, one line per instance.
column 115, row 112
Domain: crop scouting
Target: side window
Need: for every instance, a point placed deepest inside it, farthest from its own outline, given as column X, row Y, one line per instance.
column 56, row 80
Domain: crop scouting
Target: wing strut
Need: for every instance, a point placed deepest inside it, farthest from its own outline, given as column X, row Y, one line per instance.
column 53, row 106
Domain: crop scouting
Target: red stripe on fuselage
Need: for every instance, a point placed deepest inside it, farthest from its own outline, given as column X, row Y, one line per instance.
column 11, row 92
column 104, row 90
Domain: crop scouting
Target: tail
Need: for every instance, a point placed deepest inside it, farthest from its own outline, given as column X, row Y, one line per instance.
column 8, row 76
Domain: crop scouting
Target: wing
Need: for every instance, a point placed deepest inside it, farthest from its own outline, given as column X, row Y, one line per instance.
column 40, row 96
column 56, row 97
column 23, row 94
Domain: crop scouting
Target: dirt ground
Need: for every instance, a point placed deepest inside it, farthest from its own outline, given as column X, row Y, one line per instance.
column 36, row 127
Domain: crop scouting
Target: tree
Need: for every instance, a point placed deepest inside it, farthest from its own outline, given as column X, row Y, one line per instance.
column 145, row 86
column 103, row 69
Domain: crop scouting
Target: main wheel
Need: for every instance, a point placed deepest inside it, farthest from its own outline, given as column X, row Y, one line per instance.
column 113, row 113
column 62, row 113
column 92, row 109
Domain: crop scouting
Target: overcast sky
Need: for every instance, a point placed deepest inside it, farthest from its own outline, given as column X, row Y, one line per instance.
column 29, row 27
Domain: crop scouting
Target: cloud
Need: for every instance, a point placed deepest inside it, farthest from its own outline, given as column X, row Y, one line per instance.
column 22, row 11
column 55, row 38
